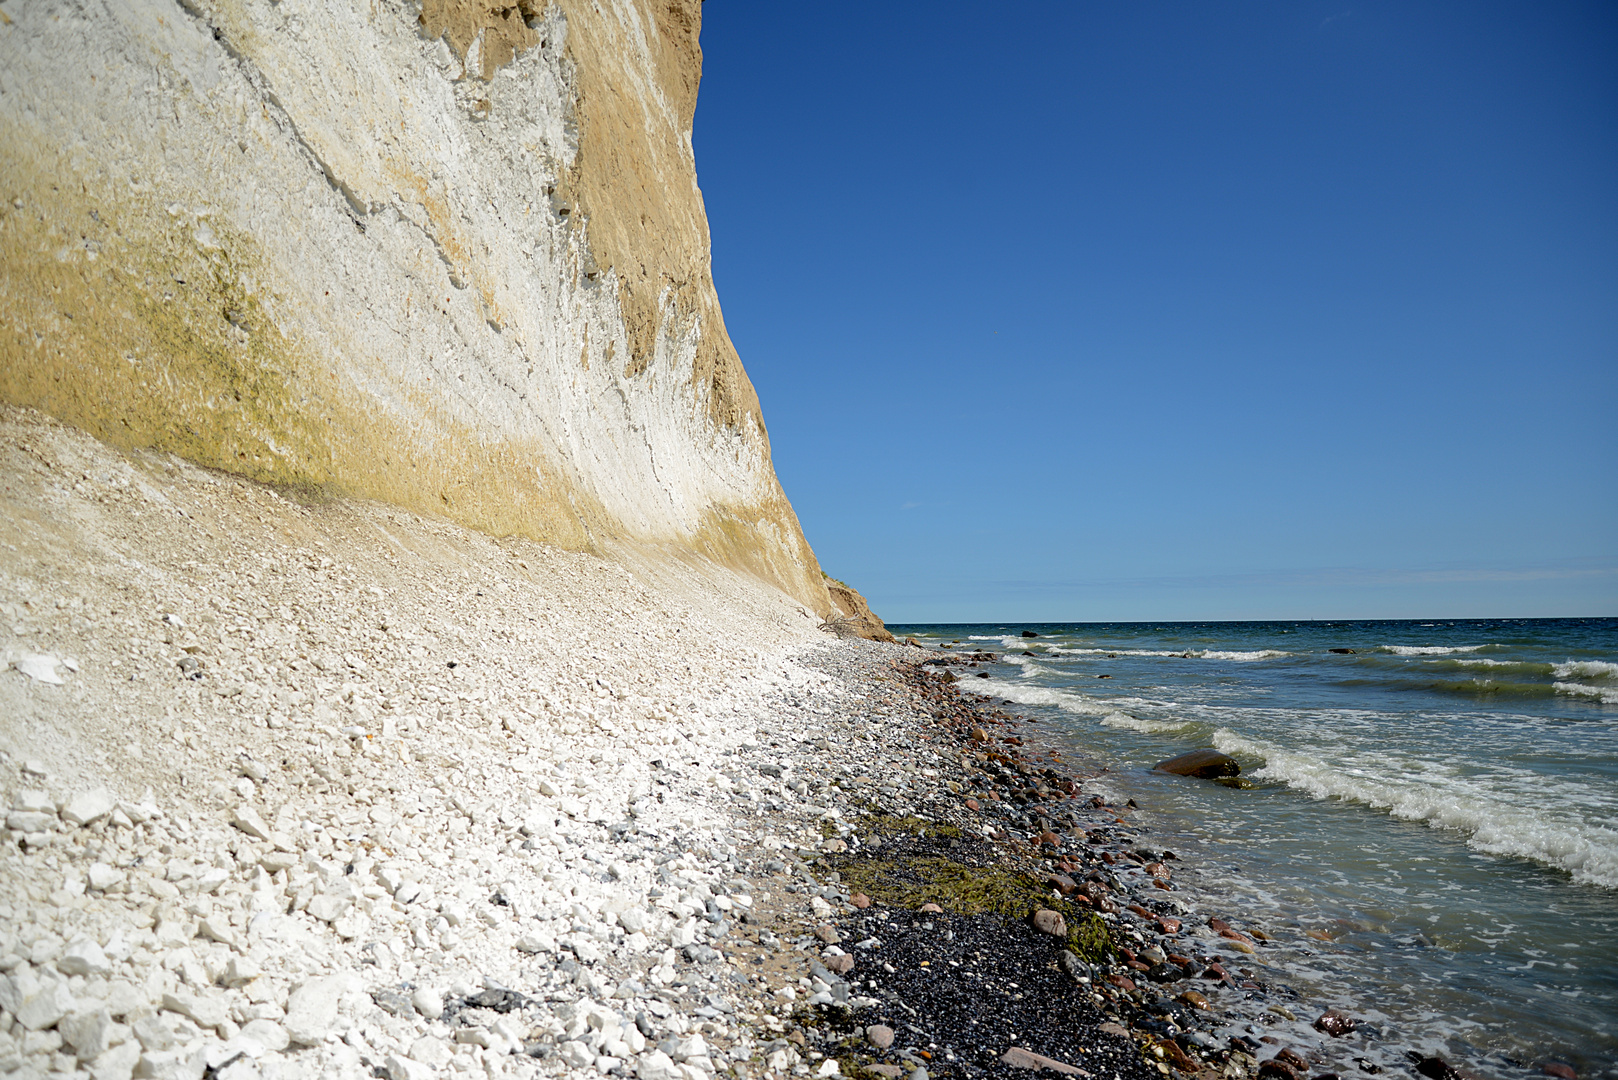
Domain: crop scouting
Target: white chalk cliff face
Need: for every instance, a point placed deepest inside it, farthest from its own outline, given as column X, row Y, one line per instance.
column 450, row 255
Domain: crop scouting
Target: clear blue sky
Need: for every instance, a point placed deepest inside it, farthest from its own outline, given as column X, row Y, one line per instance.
column 1179, row 310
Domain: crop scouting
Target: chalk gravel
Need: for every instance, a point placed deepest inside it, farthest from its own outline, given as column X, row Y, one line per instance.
column 322, row 788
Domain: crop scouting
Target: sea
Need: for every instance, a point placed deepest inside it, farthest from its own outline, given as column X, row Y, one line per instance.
column 1430, row 824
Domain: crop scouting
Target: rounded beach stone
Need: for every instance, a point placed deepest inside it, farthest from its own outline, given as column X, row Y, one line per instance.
column 1207, row 764
column 879, row 1036
column 1050, row 922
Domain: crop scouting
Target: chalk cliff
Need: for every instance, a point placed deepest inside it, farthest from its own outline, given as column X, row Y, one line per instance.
column 451, row 255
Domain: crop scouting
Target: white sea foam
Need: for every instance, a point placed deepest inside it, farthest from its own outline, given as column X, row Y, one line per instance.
column 1149, row 727
column 1197, row 654
column 1606, row 695
column 1431, row 793
column 1585, row 669
column 1111, row 652
column 1430, row 650
column 1070, row 700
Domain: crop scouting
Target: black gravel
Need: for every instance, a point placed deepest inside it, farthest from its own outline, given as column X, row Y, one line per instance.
column 967, row 988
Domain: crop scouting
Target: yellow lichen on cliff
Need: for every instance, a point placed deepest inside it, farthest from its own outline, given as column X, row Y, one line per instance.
column 116, row 318
column 298, row 247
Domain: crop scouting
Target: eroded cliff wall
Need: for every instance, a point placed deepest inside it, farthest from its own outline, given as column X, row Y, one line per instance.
column 450, row 255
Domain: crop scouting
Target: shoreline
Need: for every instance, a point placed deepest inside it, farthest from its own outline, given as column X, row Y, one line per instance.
column 327, row 789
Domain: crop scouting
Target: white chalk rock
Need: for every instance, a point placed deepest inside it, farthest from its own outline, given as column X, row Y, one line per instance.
column 577, row 1053
column 39, row 668
column 430, row 1004
column 432, row 1051
column 215, row 928
column 657, row 1065
column 172, row 1064
column 267, row 1033
column 86, row 1032
column 83, row 958
column 102, row 877
column 247, row 820
column 241, row 970
column 403, row 1068
column 30, row 821
column 34, row 801
column 87, row 806
column 117, row 1063
column 312, row 1008
column 37, row 1003
column 206, row 1010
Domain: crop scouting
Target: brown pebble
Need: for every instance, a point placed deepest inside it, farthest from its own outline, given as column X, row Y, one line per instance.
column 879, row 1036
column 1168, row 926
column 841, row 965
column 931, row 909
column 1050, row 922
column 1559, row 1070
column 828, row 934
column 1293, row 1058
column 1335, row 1024
column 860, row 900
column 1195, row 1000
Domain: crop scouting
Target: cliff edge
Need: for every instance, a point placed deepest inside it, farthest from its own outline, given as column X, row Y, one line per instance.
column 448, row 255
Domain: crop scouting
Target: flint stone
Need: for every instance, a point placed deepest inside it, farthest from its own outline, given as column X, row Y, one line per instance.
column 87, row 806
column 1206, row 764
column 1331, row 1022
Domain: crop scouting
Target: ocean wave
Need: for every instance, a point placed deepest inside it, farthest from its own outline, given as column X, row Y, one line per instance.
column 1068, row 700
column 1585, row 669
column 1259, row 654
column 1428, row 794
column 1065, row 651
column 1529, row 666
column 1605, row 695
column 1430, row 650
column 1148, row 727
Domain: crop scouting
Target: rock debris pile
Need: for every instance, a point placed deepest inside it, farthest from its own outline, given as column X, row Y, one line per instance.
column 318, row 788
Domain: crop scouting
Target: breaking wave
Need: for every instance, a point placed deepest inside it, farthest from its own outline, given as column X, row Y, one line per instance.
column 1585, row 669
column 1431, row 795
column 1605, row 695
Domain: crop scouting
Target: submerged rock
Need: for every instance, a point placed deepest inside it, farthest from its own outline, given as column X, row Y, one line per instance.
column 1207, row 764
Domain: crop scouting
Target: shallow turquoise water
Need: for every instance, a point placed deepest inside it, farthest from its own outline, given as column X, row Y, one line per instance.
column 1442, row 802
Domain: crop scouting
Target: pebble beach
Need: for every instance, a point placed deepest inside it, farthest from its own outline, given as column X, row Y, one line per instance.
column 302, row 787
